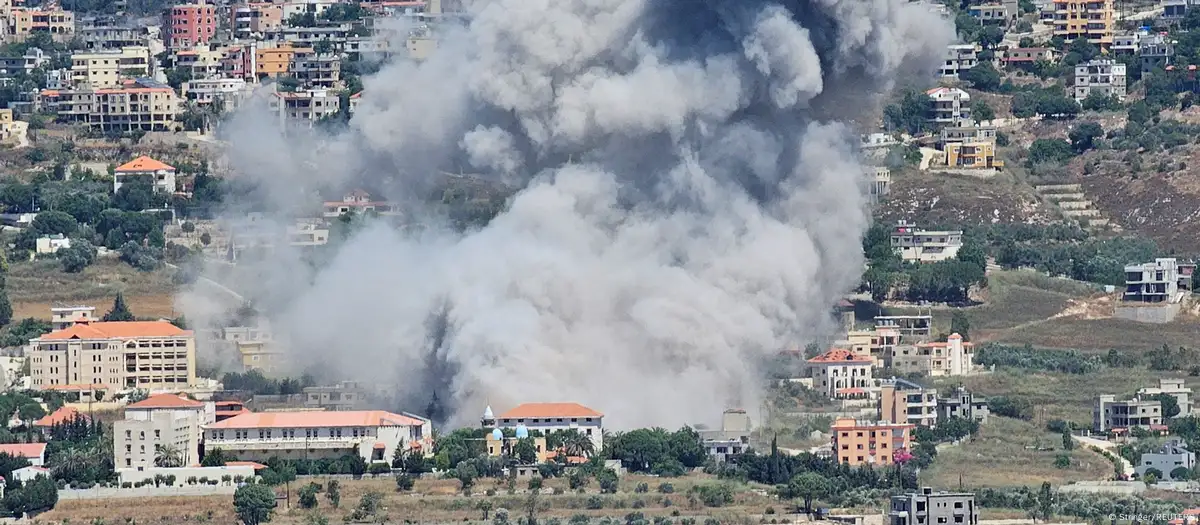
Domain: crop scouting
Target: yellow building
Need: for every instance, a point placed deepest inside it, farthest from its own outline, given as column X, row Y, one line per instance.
column 260, row 355
column 142, row 105
column 151, row 355
column 23, row 22
column 970, row 155
column 1091, row 19
column 498, row 445
column 272, row 61
column 106, row 69
column 870, row 442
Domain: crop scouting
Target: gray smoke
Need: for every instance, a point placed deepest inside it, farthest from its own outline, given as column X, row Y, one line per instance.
column 690, row 202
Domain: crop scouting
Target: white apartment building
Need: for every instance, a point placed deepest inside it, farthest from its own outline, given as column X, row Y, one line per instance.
column 303, row 108
column 299, row 7
column 160, row 174
column 1174, row 388
column 106, row 69
column 1156, row 282
column 959, row 59
column 372, row 434
column 551, row 417
column 1105, row 77
column 841, row 373
column 916, row 245
column 63, row 317
column 150, row 355
column 950, row 105
column 166, row 420
column 732, row 439
column 954, row 357
column 231, row 92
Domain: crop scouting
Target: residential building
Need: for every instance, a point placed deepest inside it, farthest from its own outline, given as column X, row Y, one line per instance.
column 1155, row 282
column 916, row 326
column 916, row 245
column 301, row 7
column 265, row 356
column 142, row 104
column 356, row 202
column 1090, row 19
column 188, row 25
column 27, row 474
column 32, row 59
column 49, row 244
column 160, row 175
column 840, row 373
column 959, row 59
column 552, row 417
column 1172, row 455
column 880, row 180
column 902, row 401
column 996, row 13
column 1175, row 10
column 950, row 105
column 35, row 453
column 307, row 235
column 240, row 61
column 346, row 395
column 1127, row 43
column 875, row 343
column 1026, row 57
column 229, row 93
column 166, row 421
column 972, row 155
column 1102, row 76
column 879, row 443
column 951, row 358
column 372, row 434
column 928, row 508
column 227, row 409
column 966, row 132
column 304, row 108
column 108, row 69
column 334, row 34
column 965, row 405
column 151, row 355
column 1175, row 388
column 102, row 34
column 1108, row 414
column 201, row 62
column 255, row 19
column 25, row 21
column 62, row 415
column 500, row 445
column 63, row 317
column 732, row 439
column 1155, row 52
column 272, row 62
column 315, row 70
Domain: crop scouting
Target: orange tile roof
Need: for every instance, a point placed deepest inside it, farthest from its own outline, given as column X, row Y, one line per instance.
column 839, row 355
column 536, row 410
column 166, row 401
column 117, row 330
column 24, row 450
column 144, row 163
column 572, row 460
column 61, row 415
column 316, row 418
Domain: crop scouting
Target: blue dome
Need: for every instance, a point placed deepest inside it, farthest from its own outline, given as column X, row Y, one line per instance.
column 497, row 434
column 522, row 432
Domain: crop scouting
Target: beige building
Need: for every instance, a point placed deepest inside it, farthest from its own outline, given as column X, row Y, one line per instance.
column 1108, row 414
column 150, row 355
column 913, row 244
column 903, row 401
column 1090, row 19
column 951, row 358
column 165, row 420
column 372, row 434
column 142, row 105
column 107, row 69
column 315, row 70
column 840, row 373
column 202, row 62
column 24, row 21
column 63, row 317
column 303, row 108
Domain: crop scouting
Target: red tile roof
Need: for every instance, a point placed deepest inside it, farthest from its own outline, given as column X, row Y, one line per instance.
column 313, row 419
column 144, row 163
column 251, row 464
column 58, row 416
column 571, row 460
column 839, row 355
column 25, row 450
column 117, row 330
column 539, row 410
column 165, row 401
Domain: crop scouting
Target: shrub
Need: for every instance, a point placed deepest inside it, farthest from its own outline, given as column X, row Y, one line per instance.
column 404, row 483
column 638, row 504
column 126, row 485
column 376, row 469
column 666, row 488
column 595, row 503
column 641, row 488
column 535, row 483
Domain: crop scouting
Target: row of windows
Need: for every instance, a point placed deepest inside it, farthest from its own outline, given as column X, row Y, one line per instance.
column 291, row 433
column 550, row 420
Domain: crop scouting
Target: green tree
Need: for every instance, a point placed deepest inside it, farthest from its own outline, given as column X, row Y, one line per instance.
column 333, row 491
column 1170, row 405
column 78, row 256
column 404, row 482
column 1152, row 476
column 205, row 239
column 54, row 222
column 254, row 504
column 466, row 474
column 215, row 458
column 1084, row 135
column 6, row 311
column 1050, row 150
column 983, row 77
column 961, row 325
column 1181, row 474
column 575, row 443
column 608, row 481
column 1067, row 442
column 307, row 496
column 119, row 311
column 1045, row 501
column 525, row 451
column 981, row 111
column 989, row 37
column 807, row 486
column 167, row 456
column 909, row 114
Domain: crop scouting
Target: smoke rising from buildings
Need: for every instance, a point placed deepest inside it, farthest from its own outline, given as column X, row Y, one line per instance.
column 690, row 202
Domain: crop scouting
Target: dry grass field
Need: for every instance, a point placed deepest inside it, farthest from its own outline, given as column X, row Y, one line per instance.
column 33, row 287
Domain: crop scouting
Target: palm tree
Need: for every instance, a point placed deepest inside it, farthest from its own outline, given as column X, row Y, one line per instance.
column 167, row 456
column 577, row 444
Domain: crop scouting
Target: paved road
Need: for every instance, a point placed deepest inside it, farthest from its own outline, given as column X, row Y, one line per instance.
column 1107, row 446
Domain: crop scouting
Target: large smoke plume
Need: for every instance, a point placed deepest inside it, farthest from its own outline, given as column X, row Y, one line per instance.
column 691, row 202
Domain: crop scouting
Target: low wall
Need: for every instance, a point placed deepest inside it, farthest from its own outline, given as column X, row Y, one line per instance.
column 1158, row 313
column 145, row 492
column 133, row 475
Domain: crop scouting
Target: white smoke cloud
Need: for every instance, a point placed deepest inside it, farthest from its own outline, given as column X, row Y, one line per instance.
column 690, row 204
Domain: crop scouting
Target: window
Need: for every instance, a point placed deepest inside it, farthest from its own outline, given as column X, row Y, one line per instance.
column 157, row 434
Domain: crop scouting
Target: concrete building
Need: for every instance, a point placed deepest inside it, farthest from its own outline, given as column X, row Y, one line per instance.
column 49, row 244
column 879, row 443
column 108, row 69
column 1175, row 10
column 917, row 326
column 104, row 34
column 301, row 7
column 1001, row 14
column 304, row 108
column 949, row 105
column 1174, row 454
column 356, row 202
column 839, row 373
column 1163, row 280
column 63, row 317
column 188, row 25
column 142, row 104
column 265, row 356
column 963, row 404
column 500, row 445
column 25, row 21
column 228, row 92
column 1155, row 52
column 1174, row 388
column 255, row 19
column 959, row 59
column 272, row 62
column 880, row 180
column 35, row 453
column 1026, row 57
column 307, row 235
column 1090, row 19
column 552, row 417
column 374, row 435
column 905, row 402
column 1108, row 414
column 343, row 396
column 27, row 474
column 159, row 174
column 732, row 439
column 951, row 358
column 972, row 155
column 315, row 70
column 1102, row 76
column 150, row 355
column 966, row 132
column 916, row 245
column 32, row 59
column 201, row 62
column 168, row 421
column 929, row 508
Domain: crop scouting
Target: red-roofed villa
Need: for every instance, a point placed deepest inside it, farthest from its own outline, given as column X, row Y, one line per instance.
column 158, row 173
column 550, row 417
column 256, row 436
column 841, row 373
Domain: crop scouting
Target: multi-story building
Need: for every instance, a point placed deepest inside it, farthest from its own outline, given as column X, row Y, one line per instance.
column 143, row 104
column 966, row 132
column 1175, row 10
column 880, row 443
column 293, row 8
column 201, row 62
column 972, row 155
column 552, row 417
column 880, row 182
column 63, row 317
column 166, row 421
column 188, row 25
column 25, row 21
column 732, row 439
column 304, row 108
column 1175, row 388
column 373, row 434
column 315, row 70
column 150, row 355
column 103, row 34
column 951, row 358
column 916, row 245
column 32, row 59
column 108, row 69
column 929, row 508
column 840, row 373
column 1155, row 52
column 240, row 61
column 346, row 395
column 902, row 401
column 272, row 62
column 1026, row 57
column 949, row 105
column 356, row 202
column 1155, row 282
column 255, row 19
column 963, row 404
column 1109, row 414
column 959, row 59
column 1090, row 19
column 265, row 356
column 334, row 34
column 228, row 92
column 996, row 13
column 307, row 235
column 1172, row 455
column 1127, row 43
column 160, row 174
